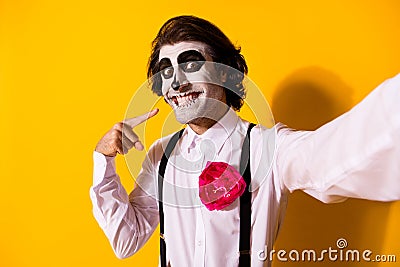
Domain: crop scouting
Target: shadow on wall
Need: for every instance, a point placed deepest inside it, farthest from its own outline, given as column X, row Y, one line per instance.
column 311, row 97
column 305, row 100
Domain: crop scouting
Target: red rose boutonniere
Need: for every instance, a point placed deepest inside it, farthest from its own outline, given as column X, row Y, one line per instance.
column 220, row 185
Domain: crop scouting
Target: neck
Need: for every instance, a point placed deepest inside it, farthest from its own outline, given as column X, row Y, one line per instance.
column 201, row 125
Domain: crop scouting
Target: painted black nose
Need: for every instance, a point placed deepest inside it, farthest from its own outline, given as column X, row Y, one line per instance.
column 175, row 84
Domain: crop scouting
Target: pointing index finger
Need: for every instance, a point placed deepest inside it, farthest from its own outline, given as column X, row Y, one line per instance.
column 132, row 122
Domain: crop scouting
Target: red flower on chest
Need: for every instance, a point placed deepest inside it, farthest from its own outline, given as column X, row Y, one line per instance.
column 220, row 184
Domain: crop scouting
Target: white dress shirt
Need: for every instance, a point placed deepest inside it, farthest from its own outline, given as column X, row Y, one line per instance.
column 356, row 155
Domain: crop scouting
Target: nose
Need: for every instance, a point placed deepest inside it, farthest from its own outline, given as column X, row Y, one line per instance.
column 175, row 84
column 179, row 80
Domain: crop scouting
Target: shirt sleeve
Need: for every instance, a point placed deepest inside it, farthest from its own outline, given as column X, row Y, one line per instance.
column 127, row 220
column 356, row 155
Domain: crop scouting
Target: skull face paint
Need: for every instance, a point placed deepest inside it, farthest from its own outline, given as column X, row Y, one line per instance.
column 191, row 85
column 190, row 62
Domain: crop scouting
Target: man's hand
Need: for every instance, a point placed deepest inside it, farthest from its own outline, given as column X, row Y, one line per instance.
column 111, row 143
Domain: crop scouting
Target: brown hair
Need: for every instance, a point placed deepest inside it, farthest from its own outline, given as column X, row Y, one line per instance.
column 221, row 49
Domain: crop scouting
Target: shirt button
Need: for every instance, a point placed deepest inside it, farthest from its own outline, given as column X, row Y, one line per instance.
column 199, row 243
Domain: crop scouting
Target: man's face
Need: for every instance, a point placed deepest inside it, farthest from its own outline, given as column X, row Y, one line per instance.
column 190, row 82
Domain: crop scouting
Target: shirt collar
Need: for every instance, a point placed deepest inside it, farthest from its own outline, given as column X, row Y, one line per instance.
column 218, row 133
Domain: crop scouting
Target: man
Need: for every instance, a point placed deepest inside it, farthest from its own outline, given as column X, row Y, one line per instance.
column 199, row 73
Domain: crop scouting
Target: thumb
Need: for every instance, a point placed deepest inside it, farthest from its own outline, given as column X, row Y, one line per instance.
column 138, row 145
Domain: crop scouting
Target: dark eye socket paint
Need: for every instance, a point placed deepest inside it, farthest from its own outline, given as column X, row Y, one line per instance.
column 166, row 69
column 164, row 63
column 191, row 61
column 190, row 55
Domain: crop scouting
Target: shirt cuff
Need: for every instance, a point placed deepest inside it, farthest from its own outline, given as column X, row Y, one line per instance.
column 104, row 167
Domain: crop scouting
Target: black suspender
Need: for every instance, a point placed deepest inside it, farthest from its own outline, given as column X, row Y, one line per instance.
column 161, row 171
column 245, row 199
column 245, row 203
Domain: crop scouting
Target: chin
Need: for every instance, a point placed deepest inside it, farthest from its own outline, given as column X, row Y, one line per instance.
column 199, row 110
column 185, row 117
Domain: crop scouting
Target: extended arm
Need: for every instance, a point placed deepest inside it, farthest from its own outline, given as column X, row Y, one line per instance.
column 356, row 155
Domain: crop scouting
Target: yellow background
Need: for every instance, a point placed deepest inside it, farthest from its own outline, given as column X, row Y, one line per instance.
column 68, row 70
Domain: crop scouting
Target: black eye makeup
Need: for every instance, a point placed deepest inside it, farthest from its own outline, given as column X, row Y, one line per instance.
column 189, row 61
column 166, row 68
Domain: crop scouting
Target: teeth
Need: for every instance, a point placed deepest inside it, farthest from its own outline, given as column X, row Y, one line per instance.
column 183, row 100
column 185, row 94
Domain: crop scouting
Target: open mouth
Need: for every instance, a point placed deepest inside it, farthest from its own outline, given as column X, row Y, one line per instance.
column 184, row 99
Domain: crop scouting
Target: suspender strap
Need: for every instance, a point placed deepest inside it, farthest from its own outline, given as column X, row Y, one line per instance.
column 161, row 171
column 245, row 199
column 245, row 204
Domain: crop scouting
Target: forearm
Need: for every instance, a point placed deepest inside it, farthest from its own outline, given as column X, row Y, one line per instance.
column 128, row 224
column 356, row 155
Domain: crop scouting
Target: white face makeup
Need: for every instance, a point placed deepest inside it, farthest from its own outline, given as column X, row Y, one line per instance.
column 190, row 82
